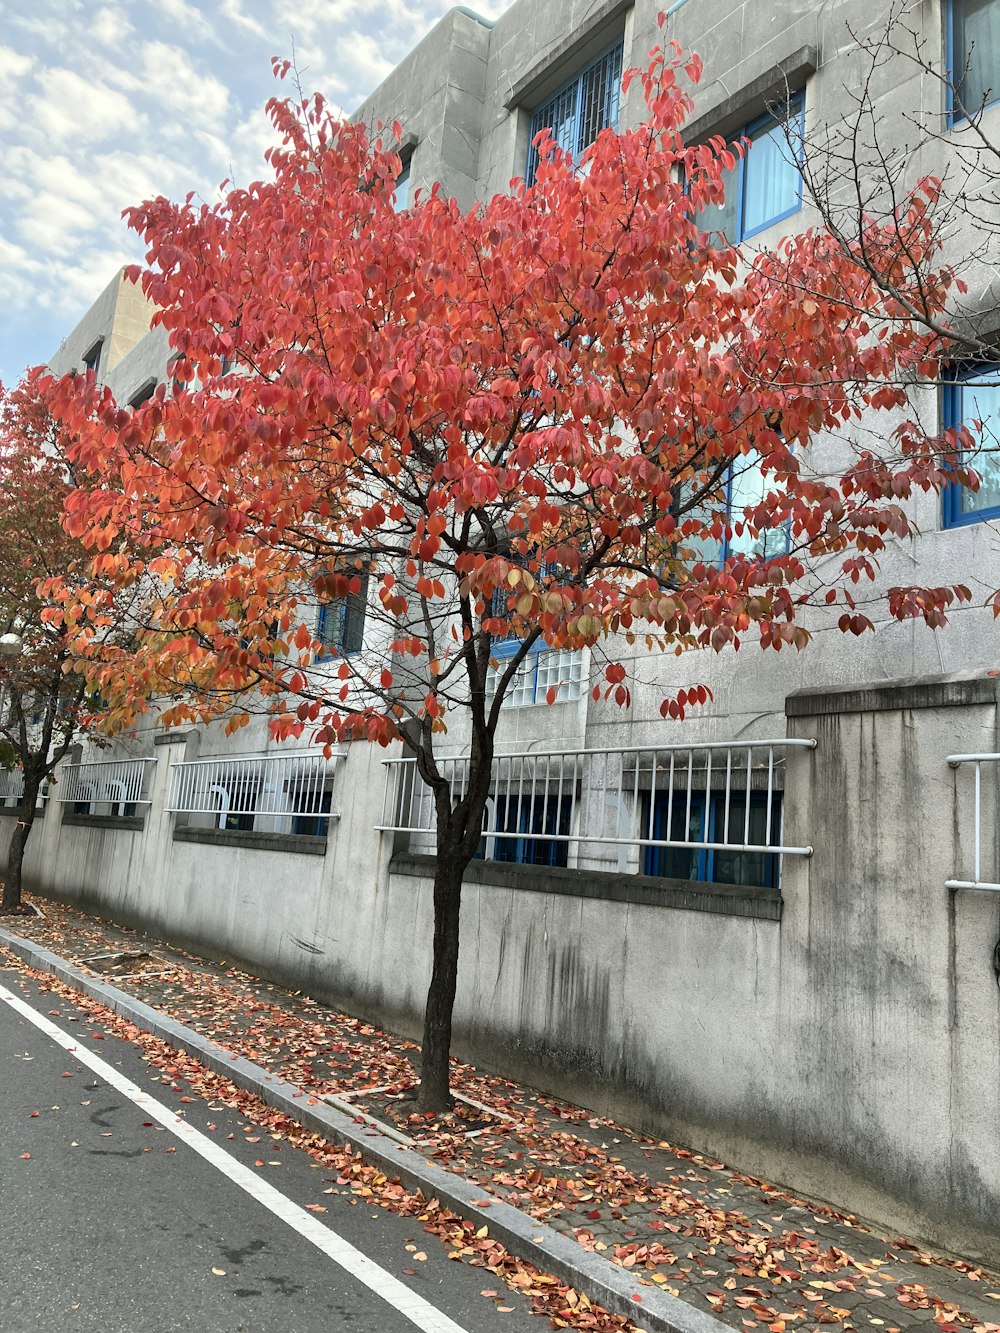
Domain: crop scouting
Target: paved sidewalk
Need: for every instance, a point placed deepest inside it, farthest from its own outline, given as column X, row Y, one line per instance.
column 752, row 1255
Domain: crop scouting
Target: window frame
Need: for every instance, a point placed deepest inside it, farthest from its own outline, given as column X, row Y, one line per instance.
column 725, row 545
column 404, row 178
column 92, row 357
column 343, row 608
column 143, row 394
column 710, row 810
column 576, row 81
column 795, row 106
column 502, row 650
column 952, row 514
column 311, row 811
column 954, row 115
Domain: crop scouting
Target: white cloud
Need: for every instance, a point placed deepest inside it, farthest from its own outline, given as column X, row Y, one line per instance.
column 13, row 63
column 187, row 22
column 233, row 12
column 71, row 109
column 110, row 26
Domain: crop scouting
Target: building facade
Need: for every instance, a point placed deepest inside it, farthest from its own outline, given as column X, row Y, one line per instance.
column 734, row 930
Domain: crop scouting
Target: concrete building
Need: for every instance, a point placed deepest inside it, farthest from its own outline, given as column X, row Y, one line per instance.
column 830, row 1019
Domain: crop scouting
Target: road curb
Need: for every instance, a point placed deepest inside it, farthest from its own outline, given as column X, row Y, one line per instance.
column 601, row 1281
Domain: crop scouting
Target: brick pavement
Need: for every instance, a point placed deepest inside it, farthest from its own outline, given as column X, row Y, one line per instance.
column 751, row 1253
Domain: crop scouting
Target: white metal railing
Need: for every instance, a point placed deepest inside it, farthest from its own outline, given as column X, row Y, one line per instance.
column 719, row 796
column 271, row 793
column 11, row 786
column 977, row 761
column 117, row 783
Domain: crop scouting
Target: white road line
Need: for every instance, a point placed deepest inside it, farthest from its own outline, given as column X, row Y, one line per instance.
column 420, row 1312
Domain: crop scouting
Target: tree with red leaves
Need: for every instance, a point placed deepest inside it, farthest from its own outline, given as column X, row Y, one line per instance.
column 516, row 423
column 44, row 704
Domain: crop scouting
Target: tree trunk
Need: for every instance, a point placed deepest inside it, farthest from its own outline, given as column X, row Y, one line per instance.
column 435, row 1091
column 15, row 857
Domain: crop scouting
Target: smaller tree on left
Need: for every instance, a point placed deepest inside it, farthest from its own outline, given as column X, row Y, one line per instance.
column 45, row 705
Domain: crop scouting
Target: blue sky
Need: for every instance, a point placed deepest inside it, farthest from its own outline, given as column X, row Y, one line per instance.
column 105, row 104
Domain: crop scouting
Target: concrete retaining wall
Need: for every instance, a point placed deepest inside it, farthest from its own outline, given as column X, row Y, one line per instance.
column 842, row 1037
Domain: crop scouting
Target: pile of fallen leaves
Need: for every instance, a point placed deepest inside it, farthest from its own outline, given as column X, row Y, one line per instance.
column 666, row 1222
column 565, row 1307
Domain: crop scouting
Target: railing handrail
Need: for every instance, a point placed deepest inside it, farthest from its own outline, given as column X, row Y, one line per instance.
column 807, row 743
column 101, row 763
column 257, row 758
column 572, row 797
column 955, row 761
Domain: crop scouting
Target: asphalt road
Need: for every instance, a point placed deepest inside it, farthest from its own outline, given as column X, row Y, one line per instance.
column 117, row 1218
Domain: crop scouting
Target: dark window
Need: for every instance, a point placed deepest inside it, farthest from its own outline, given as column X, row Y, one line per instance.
column 531, row 815
column 578, row 112
column 143, row 395
column 92, row 360
column 310, row 809
column 243, row 794
column 974, row 396
column 765, row 185
column 974, row 54
column 705, row 821
column 177, row 385
column 340, row 625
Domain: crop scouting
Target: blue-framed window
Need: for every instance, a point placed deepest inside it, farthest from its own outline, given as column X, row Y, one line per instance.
column 340, row 625
column 542, row 669
column 974, row 395
column 973, row 40
column 581, row 108
column 765, row 185
column 745, row 486
column 534, row 816
column 707, row 823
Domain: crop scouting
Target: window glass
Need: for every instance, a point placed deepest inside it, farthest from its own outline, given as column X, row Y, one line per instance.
column 745, row 487
column 723, row 219
column 748, row 486
column 706, row 864
column 578, row 112
column 340, row 625
column 92, row 360
column 143, row 395
column 531, row 814
column 976, row 52
column 976, row 397
column 310, row 808
column 402, row 200
column 771, row 180
column 765, row 185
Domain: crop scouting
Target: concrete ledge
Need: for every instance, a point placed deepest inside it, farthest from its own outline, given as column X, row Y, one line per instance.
column 614, row 1287
column 646, row 890
column 561, row 60
column 123, row 823
column 954, row 691
column 788, row 76
column 174, row 737
column 301, row 843
column 18, row 811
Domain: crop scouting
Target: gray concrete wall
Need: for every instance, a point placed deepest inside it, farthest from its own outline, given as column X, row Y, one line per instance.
column 842, row 1038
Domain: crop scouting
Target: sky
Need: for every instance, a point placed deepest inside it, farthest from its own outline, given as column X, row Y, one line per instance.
column 105, row 104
